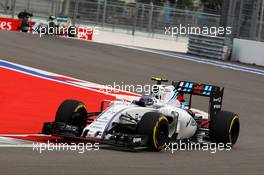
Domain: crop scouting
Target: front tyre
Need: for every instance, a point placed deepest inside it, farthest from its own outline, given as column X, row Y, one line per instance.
column 156, row 127
column 72, row 112
column 224, row 128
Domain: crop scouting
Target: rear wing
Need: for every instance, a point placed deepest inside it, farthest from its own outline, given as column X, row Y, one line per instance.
column 215, row 94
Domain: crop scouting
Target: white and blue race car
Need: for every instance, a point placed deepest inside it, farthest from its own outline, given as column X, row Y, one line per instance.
column 152, row 121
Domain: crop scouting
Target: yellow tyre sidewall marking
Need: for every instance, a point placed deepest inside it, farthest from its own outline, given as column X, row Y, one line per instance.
column 155, row 131
column 230, row 128
column 78, row 107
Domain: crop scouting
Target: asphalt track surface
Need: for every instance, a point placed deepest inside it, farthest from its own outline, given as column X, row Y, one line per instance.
column 105, row 64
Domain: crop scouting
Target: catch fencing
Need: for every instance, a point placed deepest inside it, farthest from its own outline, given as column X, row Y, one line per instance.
column 132, row 18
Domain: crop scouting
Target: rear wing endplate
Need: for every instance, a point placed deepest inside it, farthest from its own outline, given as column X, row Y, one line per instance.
column 215, row 94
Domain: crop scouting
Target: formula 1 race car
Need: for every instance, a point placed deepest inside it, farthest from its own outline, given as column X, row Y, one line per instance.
column 59, row 25
column 151, row 121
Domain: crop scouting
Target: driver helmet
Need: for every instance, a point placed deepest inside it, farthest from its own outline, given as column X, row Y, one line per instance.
column 146, row 100
column 52, row 17
column 167, row 94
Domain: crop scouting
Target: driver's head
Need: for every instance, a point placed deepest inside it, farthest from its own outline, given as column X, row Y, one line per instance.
column 158, row 91
column 163, row 93
column 51, row 17
column 166, row 94
column 146, row 100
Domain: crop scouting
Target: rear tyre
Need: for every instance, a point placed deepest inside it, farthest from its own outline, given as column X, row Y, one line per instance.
column 72, row 112
column 156, row 127
column 224, row 128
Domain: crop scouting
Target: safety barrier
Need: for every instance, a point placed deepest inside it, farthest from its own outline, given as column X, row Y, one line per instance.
column 11, row 24
column 210, row 46
column 247, row 51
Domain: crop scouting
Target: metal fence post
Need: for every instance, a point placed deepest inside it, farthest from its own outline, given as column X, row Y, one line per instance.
column 28, row 5
column 5, row 6
column 230, row 14
column 98, row 11
column 104, row 13
column 135, row 19
column 75, row 13
column 186, row 16
column 253, row 28
column 56, row 8
column 66, row 7
column 261, row 21
column 238, row 28
column 142, row 16
column 234, row 17
column 13, row 8
column 150, row 17
column 52, row 8
column 194, row 18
